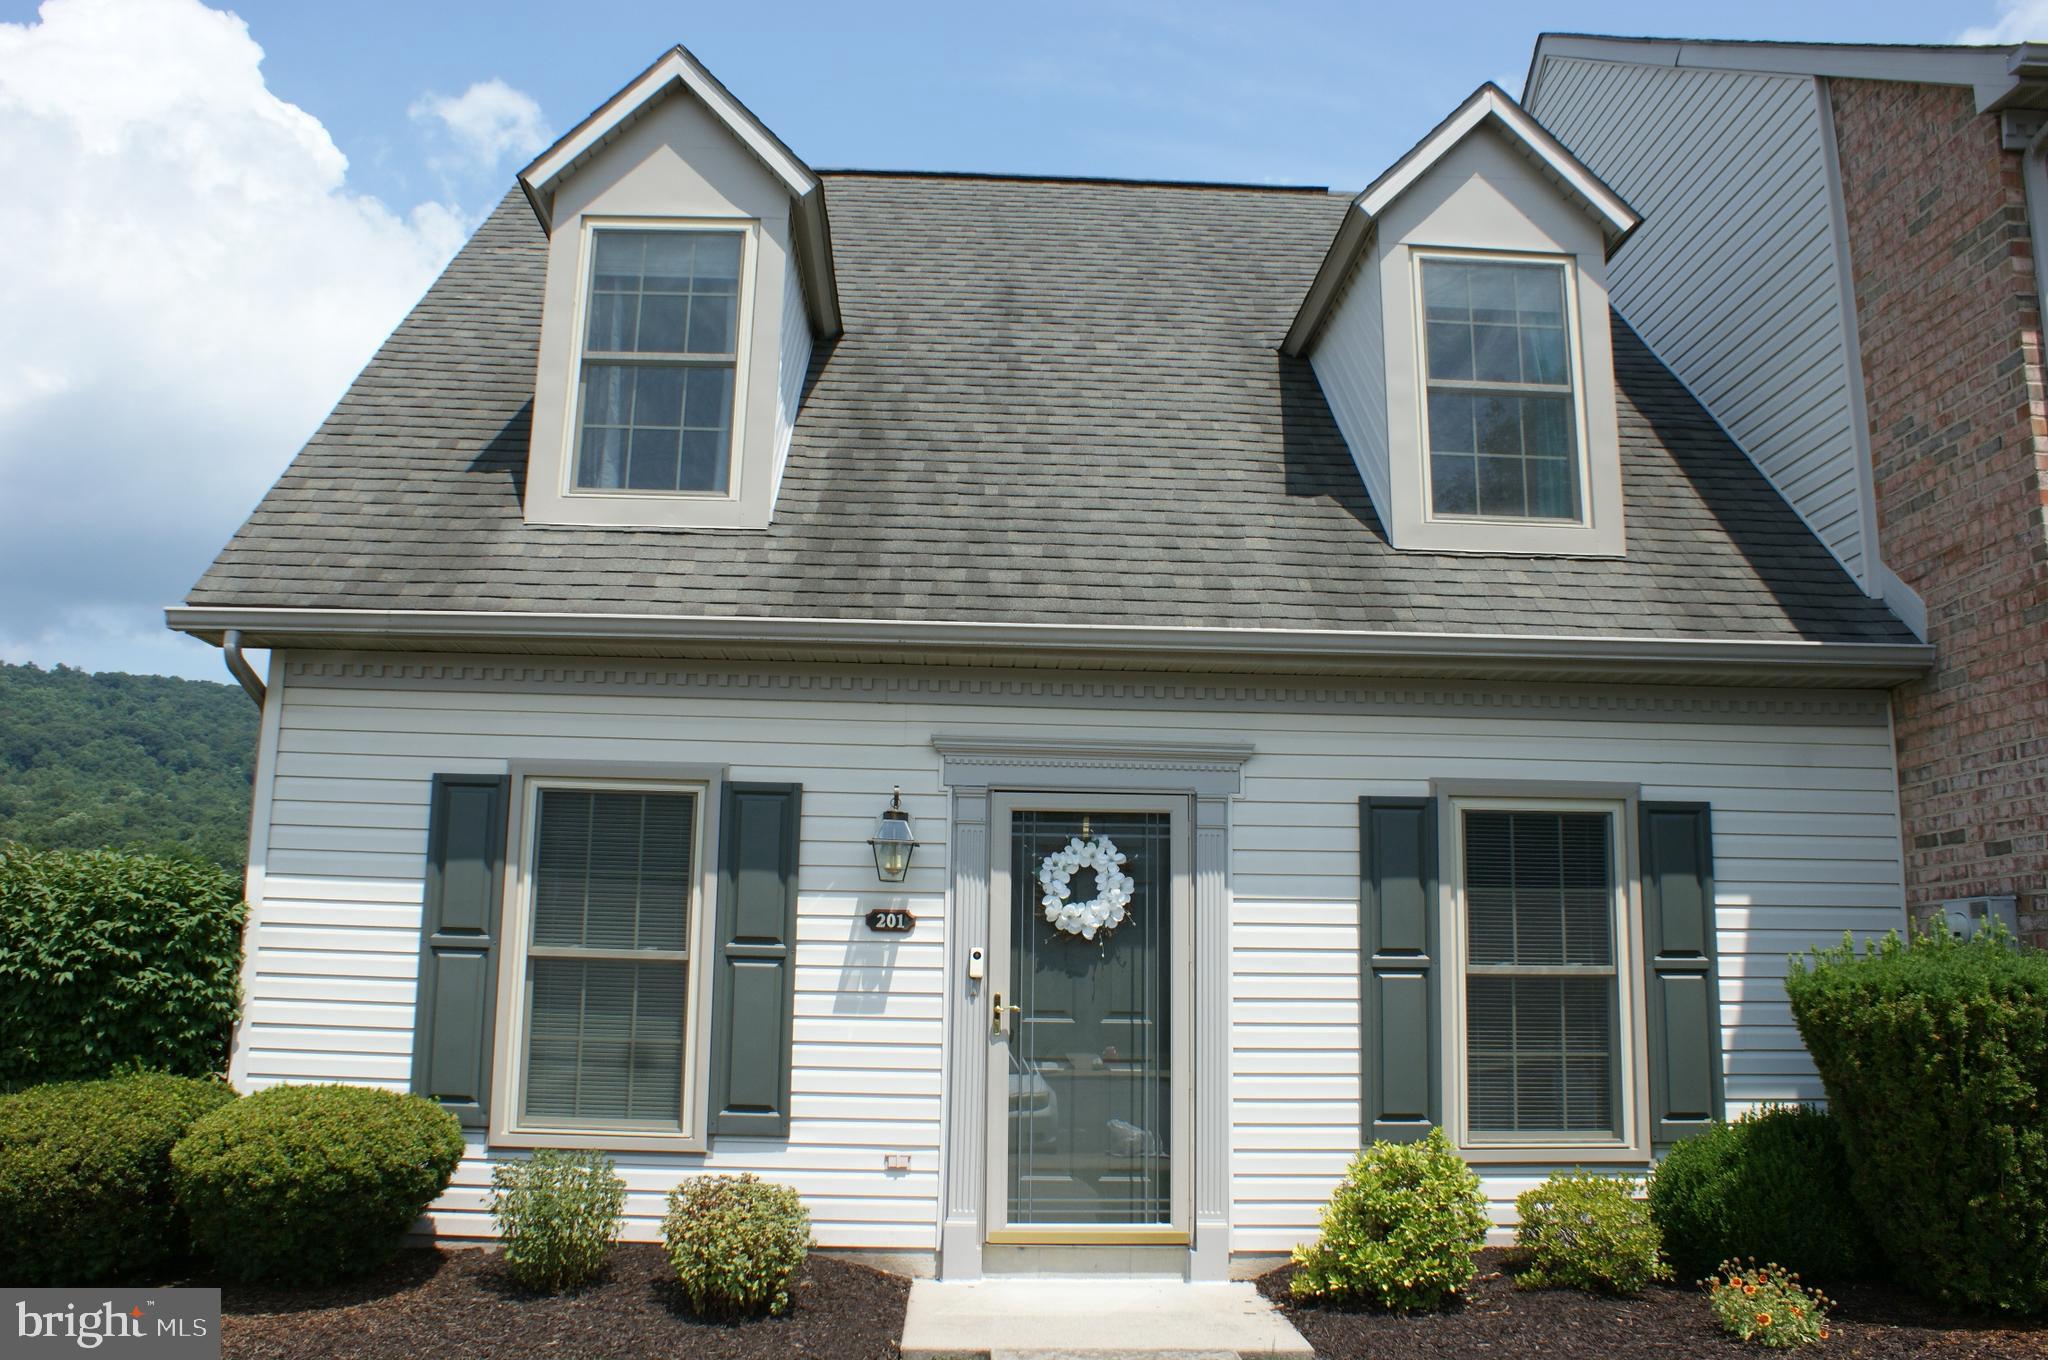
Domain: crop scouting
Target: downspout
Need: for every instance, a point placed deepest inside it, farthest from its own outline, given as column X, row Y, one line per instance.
column 238, row 665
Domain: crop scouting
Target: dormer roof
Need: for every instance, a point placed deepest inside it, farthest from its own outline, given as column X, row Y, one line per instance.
column 1488, row 107
column 678, row 70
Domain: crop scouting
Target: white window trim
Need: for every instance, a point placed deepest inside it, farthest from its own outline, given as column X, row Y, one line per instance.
column 1575, row 347
column 509, row 1127
column 749, row 230
column 1632, row 1089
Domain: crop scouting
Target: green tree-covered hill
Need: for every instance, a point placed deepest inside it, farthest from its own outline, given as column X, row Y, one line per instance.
column 132, row 762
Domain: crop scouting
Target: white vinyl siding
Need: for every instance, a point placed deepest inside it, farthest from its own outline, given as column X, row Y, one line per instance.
column 1350, row 362
column 1805, row 839
column 1733, row 278
column 796, row 366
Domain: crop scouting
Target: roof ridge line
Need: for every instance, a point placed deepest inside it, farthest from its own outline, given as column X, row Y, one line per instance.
column 1027, row 178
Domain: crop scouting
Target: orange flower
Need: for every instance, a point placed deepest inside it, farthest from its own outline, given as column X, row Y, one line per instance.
column 1749, row 1289
column 1763, row 1319
column 1823, row 1333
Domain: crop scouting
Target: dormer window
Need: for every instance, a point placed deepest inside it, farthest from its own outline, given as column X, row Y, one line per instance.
column 660, row 360
column 1501, row 415
column 689, row 269
column 1459, row 328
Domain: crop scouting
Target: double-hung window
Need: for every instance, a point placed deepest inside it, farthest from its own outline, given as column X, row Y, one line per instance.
column 660, row 361
column 610, row 911
column 1502, row 414
column 1540, row 889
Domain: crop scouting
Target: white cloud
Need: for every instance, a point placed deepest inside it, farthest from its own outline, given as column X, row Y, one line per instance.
column 487, row 121
column 2017, row 21
column 192, row 284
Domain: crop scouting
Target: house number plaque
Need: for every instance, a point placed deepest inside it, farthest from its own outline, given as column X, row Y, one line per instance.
column 891, row 921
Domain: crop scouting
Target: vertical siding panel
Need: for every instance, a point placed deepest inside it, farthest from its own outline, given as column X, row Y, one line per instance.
column 1728, row 171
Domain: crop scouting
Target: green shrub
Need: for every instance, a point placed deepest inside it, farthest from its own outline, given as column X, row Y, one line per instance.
column 1767, row 1305
column 85, row 1176
column 735, row 1243
column 1399, row 1232
column 310, row 1183
column 113, row 962
column 1935, row 1057
column 1587, row 1232
column 558, row 1213
column 1773, row 1184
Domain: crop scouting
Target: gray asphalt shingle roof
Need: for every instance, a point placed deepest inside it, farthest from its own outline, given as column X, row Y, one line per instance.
column 1055, row 402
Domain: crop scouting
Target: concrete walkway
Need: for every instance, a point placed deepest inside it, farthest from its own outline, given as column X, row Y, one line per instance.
column 1045, row 1318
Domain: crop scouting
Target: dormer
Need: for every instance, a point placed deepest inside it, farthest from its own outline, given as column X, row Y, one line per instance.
column 1459, row 329
column 689, row 270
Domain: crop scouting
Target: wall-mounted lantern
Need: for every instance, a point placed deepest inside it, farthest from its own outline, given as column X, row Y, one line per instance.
column 893, row 842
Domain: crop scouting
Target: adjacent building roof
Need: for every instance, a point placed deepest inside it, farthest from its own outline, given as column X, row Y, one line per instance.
column 1057, row 404
column 2002, row 77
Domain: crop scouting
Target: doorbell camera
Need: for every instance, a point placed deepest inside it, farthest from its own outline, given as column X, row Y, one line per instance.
column 977, row 964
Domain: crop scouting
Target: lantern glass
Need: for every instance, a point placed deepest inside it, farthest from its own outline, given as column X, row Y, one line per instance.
column 893, row 845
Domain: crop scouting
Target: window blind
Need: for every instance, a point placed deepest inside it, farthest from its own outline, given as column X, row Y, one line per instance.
column 608, row 958
column 1540, row 977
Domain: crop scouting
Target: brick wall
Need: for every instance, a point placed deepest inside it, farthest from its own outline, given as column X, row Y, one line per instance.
column 1952, row 363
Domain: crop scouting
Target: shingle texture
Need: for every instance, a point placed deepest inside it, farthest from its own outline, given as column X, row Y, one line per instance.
column 1055, row 402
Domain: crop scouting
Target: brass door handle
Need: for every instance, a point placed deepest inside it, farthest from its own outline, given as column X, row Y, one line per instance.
column 995, row 1019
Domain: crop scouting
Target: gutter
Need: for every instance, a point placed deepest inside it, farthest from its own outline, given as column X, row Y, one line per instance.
column 238, row 665
column 1858, row 662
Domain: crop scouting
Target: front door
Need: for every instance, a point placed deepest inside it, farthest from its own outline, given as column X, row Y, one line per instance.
column 1088, row 1038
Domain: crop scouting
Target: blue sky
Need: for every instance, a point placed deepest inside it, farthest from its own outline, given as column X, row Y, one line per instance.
column 239, row 205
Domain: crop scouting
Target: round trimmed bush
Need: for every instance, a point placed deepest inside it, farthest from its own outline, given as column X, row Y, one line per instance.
column 1399, row 1232
column 1580, row 1231
column 85, row 1176
column 558, row 1214
column 735, row 1243
column 1934, row 1052
column 1774, row 1185
column 303, row 1184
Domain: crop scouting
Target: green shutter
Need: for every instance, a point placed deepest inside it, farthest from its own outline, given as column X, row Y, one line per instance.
column 451, row 1054
column 1401, row 1043
column 754, row 979
column 1683, row 995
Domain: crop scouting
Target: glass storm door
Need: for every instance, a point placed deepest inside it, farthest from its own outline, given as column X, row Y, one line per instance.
column 1090, row 1132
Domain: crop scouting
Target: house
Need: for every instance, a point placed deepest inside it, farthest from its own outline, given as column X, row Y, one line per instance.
column 1337, row 681
column 1839, row 256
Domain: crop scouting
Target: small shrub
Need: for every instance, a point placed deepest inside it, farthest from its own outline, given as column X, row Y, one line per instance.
column 112, row 962
column 1588, row 1232
column 1399, row 1232
column 735, row 1243
column 304, row 1184
column 1935, row 1057
column 1773, row 1184
column 85, row 1176
column 558, row 1213
column 1767, row 1305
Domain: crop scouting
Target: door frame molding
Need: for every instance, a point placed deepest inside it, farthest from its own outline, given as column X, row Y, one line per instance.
column 1179, row 1017
column 1210, row 774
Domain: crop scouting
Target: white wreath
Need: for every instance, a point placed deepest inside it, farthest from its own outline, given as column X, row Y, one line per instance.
column 1113, row 887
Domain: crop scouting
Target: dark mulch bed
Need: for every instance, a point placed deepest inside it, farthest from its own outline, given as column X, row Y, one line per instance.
column 1500, row 1320
column 435, row 1303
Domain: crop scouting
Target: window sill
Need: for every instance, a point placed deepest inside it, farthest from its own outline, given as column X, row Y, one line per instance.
column 599, row 1140
column 1585, row 1154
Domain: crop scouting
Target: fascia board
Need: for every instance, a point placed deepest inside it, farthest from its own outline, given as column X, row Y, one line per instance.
column 1489, row 103
column 676, row 66
column 1883, row 662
